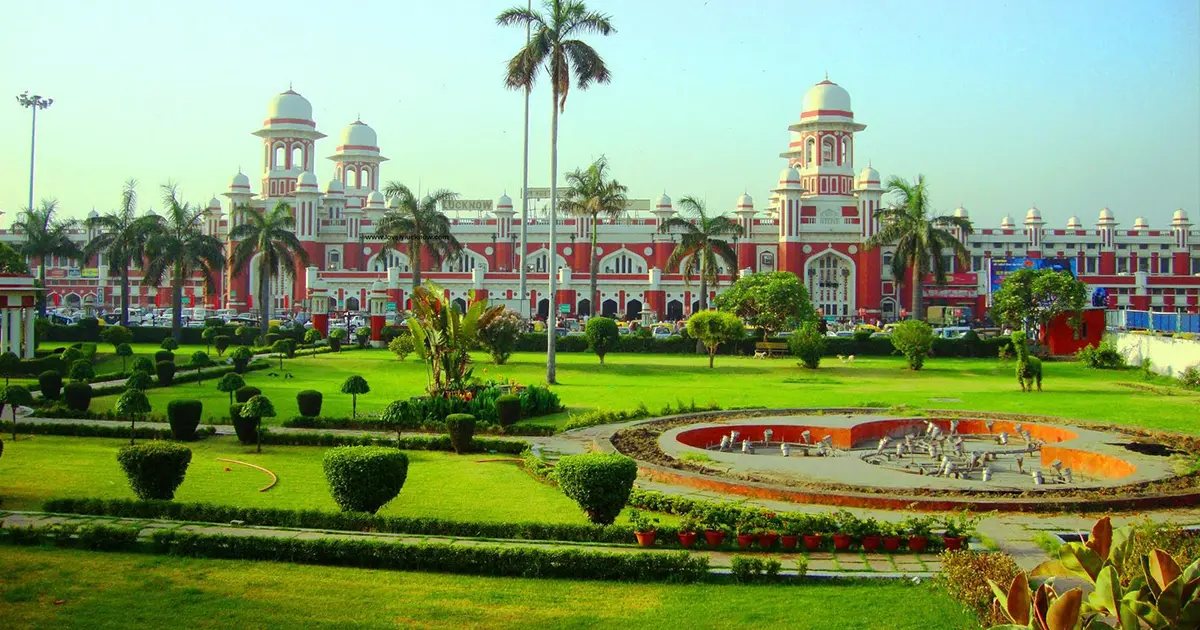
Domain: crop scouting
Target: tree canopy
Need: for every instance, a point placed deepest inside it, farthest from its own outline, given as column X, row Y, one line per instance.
column 769, row 301
column 1030, row 298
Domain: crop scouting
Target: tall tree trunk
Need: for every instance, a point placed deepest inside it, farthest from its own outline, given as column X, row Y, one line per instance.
column 41, row 301
column 703, row 254
column 414, row 262
column 916, row 296
column 125, row 295
column 177, row 304
column 551, row 328
column 594, row 291
column 264, row 298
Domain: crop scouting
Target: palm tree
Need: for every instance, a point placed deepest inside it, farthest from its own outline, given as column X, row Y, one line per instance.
column 592, row 194
column 702, row 242
column 919, row 237
column 418, row 223
column 177, row 248
column 553, row 48
column 121, row 238
column 45, row 236
column 272, row 236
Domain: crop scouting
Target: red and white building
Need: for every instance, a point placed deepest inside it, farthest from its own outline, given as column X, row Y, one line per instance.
column 814, row 224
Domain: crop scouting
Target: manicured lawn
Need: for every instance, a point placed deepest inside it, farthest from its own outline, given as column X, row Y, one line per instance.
column 46, row 588
column 1071, row 390
column 444, row 485
column 107, row 361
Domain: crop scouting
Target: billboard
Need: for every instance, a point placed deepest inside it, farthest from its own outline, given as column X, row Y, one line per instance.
column 467, row 205
column 1001, row 268
column 90, row 272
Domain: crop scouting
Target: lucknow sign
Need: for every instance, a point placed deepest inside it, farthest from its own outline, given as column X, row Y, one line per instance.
column 467, row 205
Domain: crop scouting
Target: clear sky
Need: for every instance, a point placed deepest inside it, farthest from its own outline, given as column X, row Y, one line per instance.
column 1067, row 105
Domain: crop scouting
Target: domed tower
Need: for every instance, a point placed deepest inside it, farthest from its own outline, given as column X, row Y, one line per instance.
column 745, row 218
column 870, row 199
column 1033, row 232
column 788, row 193
column 662, row 211
column 1180, row 257
column 356, row 160
column 212, row 217
column 237, row 285
column 822, row 143
column 289, row 138
column 502, row 252
column 1107, row 226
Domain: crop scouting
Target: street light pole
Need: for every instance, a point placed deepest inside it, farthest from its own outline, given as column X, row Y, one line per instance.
column 34, row 103
column 525, row 195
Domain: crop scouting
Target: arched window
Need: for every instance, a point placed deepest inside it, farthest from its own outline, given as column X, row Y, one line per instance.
column 766, row 260
column 830, row 217
column 622, row 262
column 827, row 151
column 366, row 178
column 844, row 159
column 335, row 261
column 278, row 157
column 298, row 157
column 810, row 150
column 348, row 178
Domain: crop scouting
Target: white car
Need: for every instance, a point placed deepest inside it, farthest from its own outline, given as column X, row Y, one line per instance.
column 663, row 332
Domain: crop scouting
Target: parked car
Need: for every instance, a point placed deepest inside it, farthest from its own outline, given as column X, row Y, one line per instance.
column 663, row 332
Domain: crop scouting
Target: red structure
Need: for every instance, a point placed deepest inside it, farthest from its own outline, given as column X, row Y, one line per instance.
column 1062, row 339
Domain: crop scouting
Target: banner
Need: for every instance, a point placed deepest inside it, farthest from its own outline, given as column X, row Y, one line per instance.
column 1001, row 268
column 90, row 272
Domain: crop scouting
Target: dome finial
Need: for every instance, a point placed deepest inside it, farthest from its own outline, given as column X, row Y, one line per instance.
column 826, row 75
column 289, row 86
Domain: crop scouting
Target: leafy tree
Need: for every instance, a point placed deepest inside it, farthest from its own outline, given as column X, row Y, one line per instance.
column 82, row 370
column 132, row 404
column 120, row 236
column 230, row 383
column 259, row 407
column 280, row 348
column 714, row 328
column 401, row 346
column 602, row 335
column 499, row 337
column 11, row 261
column 418, row 224
column 124, row 351
column 1030, row 298
column 808, row 344
column 553, row 47
column 10, row 365
column 355, row 385
column 702, row 241
column 143, row 364
column 116, row 335
column 920, row 238
column 913, row 338
column 200, row 360
column 209, row 335
column 177, row 249
column 593, row 193
column 45, row 235
column 312, row 336
column 270, row 235
column 771, row 301
column 169, row 344
column 139, row 380
column 15, row 396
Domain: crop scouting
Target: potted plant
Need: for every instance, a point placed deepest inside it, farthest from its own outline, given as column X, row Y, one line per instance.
column 687, row 530
column 958, row 530
column 869, row 534
column 768, row 530
column 845, row 525
column 714, row 527
column 745, row 529
column 891, row 535
column 644, row 528
column 790, row 531
column 813, row 530
column 919, row 528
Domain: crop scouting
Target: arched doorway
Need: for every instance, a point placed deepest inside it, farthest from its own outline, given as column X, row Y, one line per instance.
column 674, row 310
column 830, row 279
column 633, row 310
column 73, row 300
column 460, row 305
column 543, row 308
column 351, row 304
column 695, row 306
column 585, row 307
column 608, row 308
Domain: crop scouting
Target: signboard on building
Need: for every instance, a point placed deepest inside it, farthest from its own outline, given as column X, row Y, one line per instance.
column 90, row 272
column 1001, row 268
column 540, row 193
column 73, row 272
column 56, row 273
column 564, row 308
column 467, row 205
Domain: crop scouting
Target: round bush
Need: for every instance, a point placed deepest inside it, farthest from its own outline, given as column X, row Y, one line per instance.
column 82, row 370
column 139, row 380
column 599, row 482
column 164, row 355
column 143, row 364
column 913, row 338
column 184, row 416
column 271, row 338
column 166, row 373
column 602, row 335
column 808, row 344
column 155, row 469
column 241, row 356
column 169, row 344
column 508, row 409
column 51, row 383
column 221, row 343
column 246, row 428
column 78, row 396
column 461, row 427
column 309, row 402
column 244, row 394
column 364, row 478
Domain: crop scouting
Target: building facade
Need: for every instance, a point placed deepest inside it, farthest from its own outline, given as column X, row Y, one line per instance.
column 814, row 224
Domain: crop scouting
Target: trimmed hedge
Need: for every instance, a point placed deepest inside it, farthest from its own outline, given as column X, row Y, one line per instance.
column 376, row 424
column 246, row 428
column 155, row 470
column 599, row 482
column 164, row 355
column 78, row 396
column 878, row 347
column 406, row 443
column 50, row 382
column 461, row 427
column 364, row 478
column 165, row 370
column 35, row 367
column 244, row 394
column 508, row 410
column 184, row 416
column 309, row 402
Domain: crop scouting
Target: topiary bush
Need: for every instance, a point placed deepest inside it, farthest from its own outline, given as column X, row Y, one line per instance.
column 402, row 346
column 143, row 364
column 364, row 478
column 140, row 381
column 913, row 338
column 309, row 402
column 156, row 469
column 808, row 344
column 82, row 370
column 244, row 394
column 246, row 428
column 461, row 427
column 166, row 373
column 184, row 416
column 78, row 396
column 508, row 409
column 355, row 385
column 241, row 356
column 164, row 355
column 230, row 383
column 599, row 482
column 50, row 383
column 336, row 337
column 221, row 343
column 169, row 344
column 270, row 339
column 602, row 335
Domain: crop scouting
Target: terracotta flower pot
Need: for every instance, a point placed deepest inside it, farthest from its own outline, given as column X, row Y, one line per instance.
column 917, row 543
column 953, row 543
column 871, row 543
column 687, row 539
column 788, row 542
column 812, row 542
column 745, row 540
column 891, row 543
column 646, row 539
column 714, row 538
column 766, row 541
column 841, row 542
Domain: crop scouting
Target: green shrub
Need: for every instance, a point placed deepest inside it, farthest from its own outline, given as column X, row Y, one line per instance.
column 139, row 380
column 143, row 364
column 1104, row 357
column 10, row 365
column 602, row 335
column 70, row 356
column 51, row 383
column 184, row 416
column 271, row 338
column 155, row 469
column 461, row 427
column 309, row 402
column 1190, row 377
column 402, row 346
column 312, row 336
column 965, row 576
column 336, row 337
column 222, row 342
column 166, row 373
column 78, row 396
column 746, row 569
column 364, row 478
column 164, row 355
column 244, row 394
column 82, row 370
column 913, row 338
column 355, row 385
column 714, row 328
column 599, row 482
column 499, row 334
column 116, row 335
column 508, row 409
column 169, row 344
column 246, row 428
column 808, row 344
column 241, row 356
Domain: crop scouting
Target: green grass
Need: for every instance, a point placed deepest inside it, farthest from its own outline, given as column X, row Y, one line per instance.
column 625, row 380
column 44, row 588
column 106, row 361
column 460, row 487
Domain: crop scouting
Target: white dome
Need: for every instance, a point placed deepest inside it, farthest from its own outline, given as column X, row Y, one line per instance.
column 375, row 198
column 1033, row 215
column 663, row 202
column 961, row 213
column 1179, row 215
column 93, row 214
column 306, row 180
column 504, row 202
column 1006, row 222
column 335, row 186
column 826, row 97
column 289, row 105
column 240, row 182
column 1073, row 223
column 394, row 202
column 354, row 202
column 1141, row 224
column 745, row 201
column 1105, row 213
column 869, row 176
column 360, row 136
column 789, row 175
column 379, row 286
column 214, row 203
